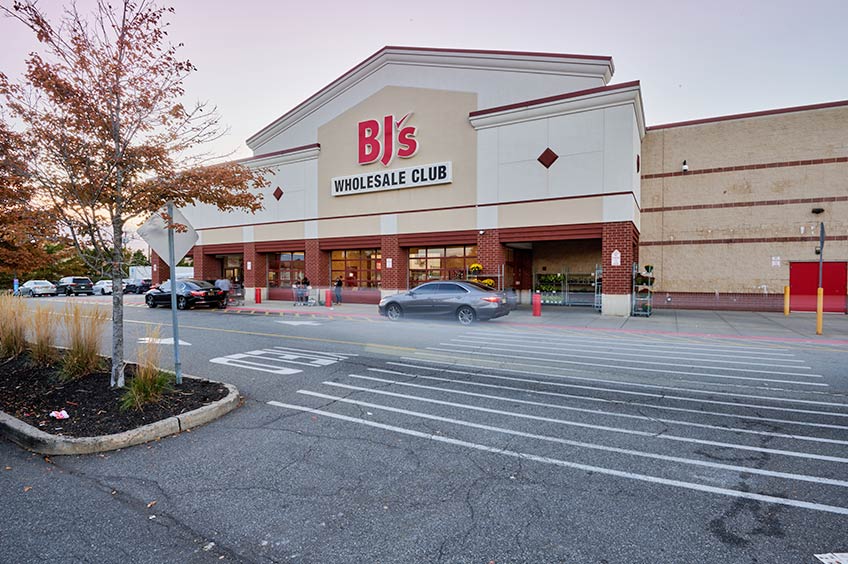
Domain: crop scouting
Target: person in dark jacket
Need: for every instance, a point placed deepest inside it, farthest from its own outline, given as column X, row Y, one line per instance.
column 337, row 288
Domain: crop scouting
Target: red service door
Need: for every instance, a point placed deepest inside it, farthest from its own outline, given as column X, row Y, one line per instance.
column 804, row 281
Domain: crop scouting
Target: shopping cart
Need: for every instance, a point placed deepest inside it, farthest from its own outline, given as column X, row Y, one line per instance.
column 305, row 296
column 236, row 295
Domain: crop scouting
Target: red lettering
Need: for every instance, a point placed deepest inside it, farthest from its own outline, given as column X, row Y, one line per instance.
column 388, row 140
column 407, row 145
column 369, row 145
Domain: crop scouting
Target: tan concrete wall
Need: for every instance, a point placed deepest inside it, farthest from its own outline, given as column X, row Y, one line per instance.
column 573, row 256
column 218, row 236
column 441, row 220
column 278, row 231
column 444, row 134
column 742, row 266
column 349, row 227
column 804, row 135
column 583, row 210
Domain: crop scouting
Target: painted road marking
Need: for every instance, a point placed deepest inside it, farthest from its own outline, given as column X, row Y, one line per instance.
column 577, row 409
column 645, row 434
column 833, row 558
column 628, row 402
column 277, row 360
column 630, row 392
column 642, row 368
column 167, row 341
column 573, row 465
column 591, row 446
column 297, row 322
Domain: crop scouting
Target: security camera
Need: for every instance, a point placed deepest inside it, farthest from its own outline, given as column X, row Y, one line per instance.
column 685, row 167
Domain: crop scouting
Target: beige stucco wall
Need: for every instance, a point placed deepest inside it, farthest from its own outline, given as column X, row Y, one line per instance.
column 583, row 210
column 743, row 266
column 278, row 231
column 441, row 220
column 443, row 134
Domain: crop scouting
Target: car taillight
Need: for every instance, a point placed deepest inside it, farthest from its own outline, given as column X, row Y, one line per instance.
column 196, row 294
column 491, row 299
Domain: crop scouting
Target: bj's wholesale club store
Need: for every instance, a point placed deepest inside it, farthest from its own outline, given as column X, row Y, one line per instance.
column 531, row 171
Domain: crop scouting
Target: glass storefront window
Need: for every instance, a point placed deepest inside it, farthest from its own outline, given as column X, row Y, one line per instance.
column 440, row 263
column 358, row 268
column 285, row 268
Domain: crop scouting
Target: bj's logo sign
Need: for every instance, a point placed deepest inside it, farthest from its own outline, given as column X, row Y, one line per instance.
column 383, row 140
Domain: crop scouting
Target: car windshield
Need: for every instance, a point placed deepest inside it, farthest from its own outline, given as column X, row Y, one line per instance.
column 199, row 284
column 482, row 287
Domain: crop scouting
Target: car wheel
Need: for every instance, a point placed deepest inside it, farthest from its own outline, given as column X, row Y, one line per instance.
column 68, row 292
column 182, row 303
column 150, row 302
column 394, row 312
column 102, row 292
column 465, row 315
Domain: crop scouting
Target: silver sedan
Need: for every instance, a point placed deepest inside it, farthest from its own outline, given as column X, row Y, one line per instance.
column 36, row 288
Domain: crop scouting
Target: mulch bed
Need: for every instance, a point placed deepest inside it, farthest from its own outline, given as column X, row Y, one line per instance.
column 30, row 393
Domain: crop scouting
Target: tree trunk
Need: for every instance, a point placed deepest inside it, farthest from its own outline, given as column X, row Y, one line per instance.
column 117, row 379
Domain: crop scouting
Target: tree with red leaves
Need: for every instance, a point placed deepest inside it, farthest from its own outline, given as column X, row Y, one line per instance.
column 104, row 136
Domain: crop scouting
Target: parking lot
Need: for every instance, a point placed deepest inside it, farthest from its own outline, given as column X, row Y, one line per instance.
column 363, row 440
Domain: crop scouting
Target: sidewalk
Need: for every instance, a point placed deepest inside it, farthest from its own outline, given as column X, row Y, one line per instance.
column 772, row 326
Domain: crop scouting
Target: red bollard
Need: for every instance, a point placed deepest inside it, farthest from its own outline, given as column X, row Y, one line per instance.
column 537, row 305
column 328, row 298
column 258, row 295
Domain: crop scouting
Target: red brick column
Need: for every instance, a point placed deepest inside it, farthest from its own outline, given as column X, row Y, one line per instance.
column 206, row 267
column 490, row 253
column 396, row 277
column 159, row 268
column 317, row 264
column 623, row 237
column 257, row 275
column 619, row 236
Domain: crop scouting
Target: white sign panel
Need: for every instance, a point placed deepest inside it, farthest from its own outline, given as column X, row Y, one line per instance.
column 394, row 179
column 775, row 261
column 155, row 234
column 616, row 258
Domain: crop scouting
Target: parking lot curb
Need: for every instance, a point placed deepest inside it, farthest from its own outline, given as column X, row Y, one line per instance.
column 36, row 440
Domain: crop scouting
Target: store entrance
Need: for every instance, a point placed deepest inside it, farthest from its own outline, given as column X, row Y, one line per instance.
column 233, row 266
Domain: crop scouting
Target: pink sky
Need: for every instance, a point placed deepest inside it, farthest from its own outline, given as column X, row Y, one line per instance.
column 695, row 59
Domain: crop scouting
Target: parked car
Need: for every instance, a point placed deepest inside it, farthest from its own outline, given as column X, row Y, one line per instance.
column 37, row 288
column 190, row 293
column 465, row 301
column 102, row 287
column 75, row 285
column 138, row 286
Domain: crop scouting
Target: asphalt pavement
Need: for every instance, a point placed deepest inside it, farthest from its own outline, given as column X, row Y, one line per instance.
column 685, row 437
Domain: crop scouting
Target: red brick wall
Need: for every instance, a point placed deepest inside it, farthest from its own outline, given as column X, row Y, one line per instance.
column 396, row 277
column 490, row 253
column 159, row 271
column 317, row 264
column 257, row 276
column 621, row 236
column 206, row 267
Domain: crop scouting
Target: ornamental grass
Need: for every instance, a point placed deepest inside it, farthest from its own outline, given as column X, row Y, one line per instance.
column 12, row 326
column 149, row 383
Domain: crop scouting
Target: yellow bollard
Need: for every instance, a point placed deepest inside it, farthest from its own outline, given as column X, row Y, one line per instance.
column 786, row 300
column 819, row 310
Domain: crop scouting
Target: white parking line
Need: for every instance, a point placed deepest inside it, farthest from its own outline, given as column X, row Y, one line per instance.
column 654, row 363
column 566, row 464
column 652, row 354
column 581, row 444
column 641, row 368
column 692, row 345
column 640, row 385
column 645, row 434
column 577, row 409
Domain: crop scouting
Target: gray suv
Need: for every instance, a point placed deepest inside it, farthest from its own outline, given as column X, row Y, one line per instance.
column 74, row 285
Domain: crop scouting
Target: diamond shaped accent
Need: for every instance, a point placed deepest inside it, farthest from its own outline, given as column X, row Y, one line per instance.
column 278, row 193
column 548, row 158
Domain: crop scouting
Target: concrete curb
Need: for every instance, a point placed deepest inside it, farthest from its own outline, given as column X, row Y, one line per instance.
column 36, row 440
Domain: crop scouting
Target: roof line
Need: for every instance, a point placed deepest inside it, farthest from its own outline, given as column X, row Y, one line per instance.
column 558, row 97
column 751, row 114
column 281, row 152
column 428, row 49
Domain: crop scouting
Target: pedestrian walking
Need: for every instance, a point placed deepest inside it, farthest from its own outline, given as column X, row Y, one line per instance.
column 223, row 284
column 337, row 289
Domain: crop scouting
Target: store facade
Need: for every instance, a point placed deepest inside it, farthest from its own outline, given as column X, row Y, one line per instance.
column 509, row 168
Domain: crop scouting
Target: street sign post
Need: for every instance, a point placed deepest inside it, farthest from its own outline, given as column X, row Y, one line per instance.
column 166, row 242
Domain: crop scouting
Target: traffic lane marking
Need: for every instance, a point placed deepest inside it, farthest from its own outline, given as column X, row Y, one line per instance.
column 573, row 465
column 275, row 357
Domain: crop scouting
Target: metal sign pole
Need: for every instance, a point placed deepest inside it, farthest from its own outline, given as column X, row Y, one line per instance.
column 172, row 263
column 820, row 289
column 821, row 252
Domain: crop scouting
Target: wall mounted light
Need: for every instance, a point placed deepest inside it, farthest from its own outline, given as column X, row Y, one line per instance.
column 817, row 211
column 685, row 167
column 482, row 232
